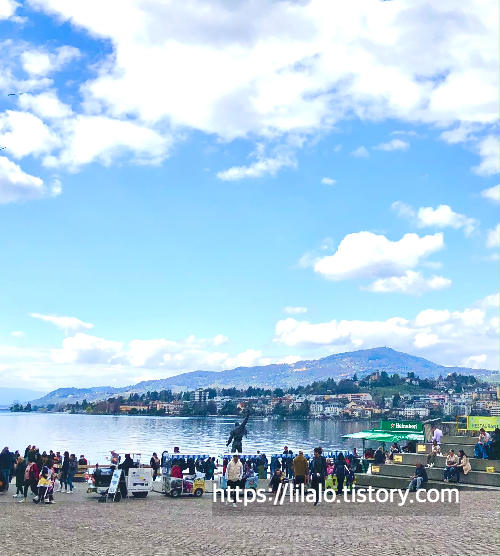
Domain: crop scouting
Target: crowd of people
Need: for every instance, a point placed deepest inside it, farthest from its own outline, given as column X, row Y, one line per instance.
column 313, row 473
column 41, row 474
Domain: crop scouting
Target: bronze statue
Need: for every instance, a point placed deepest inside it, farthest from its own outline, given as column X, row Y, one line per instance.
column 237, row 434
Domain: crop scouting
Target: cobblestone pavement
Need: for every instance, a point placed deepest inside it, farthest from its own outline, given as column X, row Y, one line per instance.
column 77, row 525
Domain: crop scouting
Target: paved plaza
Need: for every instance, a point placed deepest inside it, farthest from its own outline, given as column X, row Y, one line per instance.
column 77, row 525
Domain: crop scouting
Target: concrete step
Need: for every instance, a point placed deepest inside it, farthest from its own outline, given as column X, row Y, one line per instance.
column 384, row 481
column 467, row 440
column 476, row 464
column 434, row 474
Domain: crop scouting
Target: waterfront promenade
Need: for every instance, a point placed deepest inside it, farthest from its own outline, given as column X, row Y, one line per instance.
column 77, row 525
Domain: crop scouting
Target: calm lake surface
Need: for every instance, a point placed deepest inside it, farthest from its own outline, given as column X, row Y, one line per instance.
column 96, row 435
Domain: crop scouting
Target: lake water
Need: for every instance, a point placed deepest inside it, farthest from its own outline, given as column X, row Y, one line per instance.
column 96, row 435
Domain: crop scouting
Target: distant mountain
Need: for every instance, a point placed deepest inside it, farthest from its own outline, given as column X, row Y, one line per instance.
column 22, row 395
column 73, row 395
column 338, row 366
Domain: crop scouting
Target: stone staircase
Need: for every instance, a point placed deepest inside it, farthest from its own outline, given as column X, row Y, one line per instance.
column 397, row 474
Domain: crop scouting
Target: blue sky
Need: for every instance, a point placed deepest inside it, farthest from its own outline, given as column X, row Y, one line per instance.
column 206, row 193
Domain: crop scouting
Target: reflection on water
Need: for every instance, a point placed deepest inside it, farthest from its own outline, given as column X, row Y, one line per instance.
column 96, row 435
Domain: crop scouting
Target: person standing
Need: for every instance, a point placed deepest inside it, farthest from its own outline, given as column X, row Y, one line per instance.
column 340, row 471
column 6, row 463
column 300, row 468
column 64, row 472
column 234, row 474
column 72, row 471
column 30, row 478
column 19, row 472
column 437, row 434
column 318, row 473
column 155, row 464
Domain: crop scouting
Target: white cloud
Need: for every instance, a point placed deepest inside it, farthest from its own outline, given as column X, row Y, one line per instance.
column 490, row 301
column 492, row 239
column 298, row 70
column 491, row 193
column 337, row 148
column 423, row 340
column 289, row 360
column 25, row 134
column 40, row 62
column 17, row 334
column 360, row 152
column 328, row 181
column 220, row 339
column 90, row 138
column 8, row 9
column 367, row 255
column 16, row 185
column 261, row 167
column 410, row 133
column 69, row 324
column 46, row 105
column 443, row 216
column 489, row 153
column 393, row 145
column 295, row 310
column 86, row 349
column 475, row 361
column 403, row 209
column 446, row 337
column 412, row 283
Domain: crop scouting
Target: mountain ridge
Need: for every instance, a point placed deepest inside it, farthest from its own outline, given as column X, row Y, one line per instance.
column 337, row 366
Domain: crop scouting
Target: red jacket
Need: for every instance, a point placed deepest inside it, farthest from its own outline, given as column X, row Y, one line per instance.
column 176, row 472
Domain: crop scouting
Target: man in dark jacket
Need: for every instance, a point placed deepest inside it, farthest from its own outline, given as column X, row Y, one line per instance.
column 419, row 478
column 318, row 473
column 6, row 464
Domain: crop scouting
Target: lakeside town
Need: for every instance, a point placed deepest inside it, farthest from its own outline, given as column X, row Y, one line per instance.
column 377, row 395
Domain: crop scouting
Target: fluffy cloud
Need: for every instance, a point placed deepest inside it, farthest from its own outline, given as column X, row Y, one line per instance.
column 86, row 349
column 299, row 69
column 90, row 138
column 41, row 62
column 393, row 145
column 492, row 239
column 261, row 167
column 46, row 105
column 447, row 337
column 489, row 152
column 25, row 134
column 443, row 217
column 360, row 152
column 368, row 255
column 411, row 282
column 17, row 334
column 491, row 193
column 16, row 185
column 8, row 8
column 328, row 181
column 295, row 310
column 69, row 324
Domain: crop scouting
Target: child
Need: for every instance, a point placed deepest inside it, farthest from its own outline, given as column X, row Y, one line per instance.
column 276, row 481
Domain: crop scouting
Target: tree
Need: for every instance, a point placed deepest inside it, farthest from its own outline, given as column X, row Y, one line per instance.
column 278, row 393
column 212, row 408
column 229, row 408
column 395, row 400
column 28, row 407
